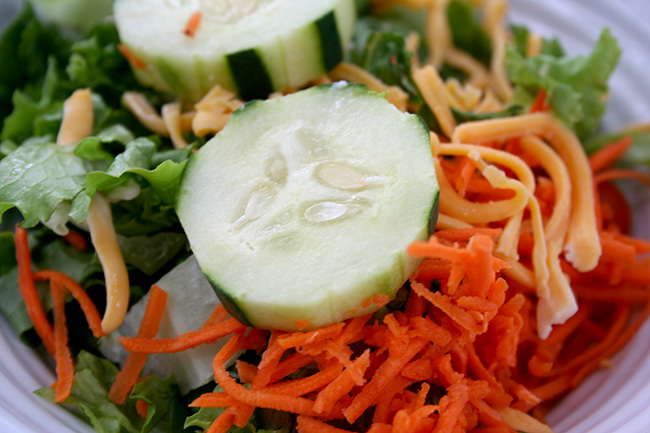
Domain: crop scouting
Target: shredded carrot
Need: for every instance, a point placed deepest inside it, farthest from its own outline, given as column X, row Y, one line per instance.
column 463, row 333
column 80, row 295
column 340, row 386
column 30, row 294
column 254, row 398
column 142, row 408
column 300, row 339
column 540, row 104
column 193, row 24
column 185, row 341
column 62, row 356
column 245, row 371
column 131, row 57
column 223, row 423
column 380, row 299
column 466, row 171
column 302, row 324
column 608, row 155
column 76, row 240
column 311, row 425
column 129, row 373
column 218, row 315
column 464, row 235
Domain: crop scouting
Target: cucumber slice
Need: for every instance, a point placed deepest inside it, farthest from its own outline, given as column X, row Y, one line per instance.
column 251, row 47
column 303, row 206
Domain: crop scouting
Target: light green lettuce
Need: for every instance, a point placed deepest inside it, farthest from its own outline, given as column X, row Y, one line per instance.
column 576, row 87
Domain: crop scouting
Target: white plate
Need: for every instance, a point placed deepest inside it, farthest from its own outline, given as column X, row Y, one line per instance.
column 610, row 401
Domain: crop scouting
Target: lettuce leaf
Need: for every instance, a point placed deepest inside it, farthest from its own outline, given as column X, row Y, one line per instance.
column 466, row 31
column 93, row 378
column 150, row 253
column 379, row 46
column 50, row 183
column 38, row 178
column 164, row 409
column 576, row 87
column 26, row 49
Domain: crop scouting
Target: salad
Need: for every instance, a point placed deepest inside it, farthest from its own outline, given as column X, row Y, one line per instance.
column 529, row 282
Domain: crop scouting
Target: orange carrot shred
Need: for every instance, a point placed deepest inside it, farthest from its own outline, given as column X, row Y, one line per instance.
column 310, row 425
column 382, row 377
column 184, row 341
column 301, row 338
column 251, row 397
column 540, row 103
column 245, row 371
column 87, row 305
column 380, row 299
column 75, row 240
column 301, row 324
column 149, row 326
column 142, row 408
column 193, row 24
column 608, row 155
column 62, row 356
column 131, row 57
column 219, row 314
column 340, row 386
column 30, row 294
column 223, row 423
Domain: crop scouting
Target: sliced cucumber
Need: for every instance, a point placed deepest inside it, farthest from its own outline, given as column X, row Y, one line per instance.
column 303, row 206
column 252, row 47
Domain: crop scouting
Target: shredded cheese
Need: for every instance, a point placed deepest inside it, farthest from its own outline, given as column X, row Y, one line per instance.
column 582, row 247
column 207, row 122
column 489, row 104
column 171, row 114
column 140, row 107
column 354, row 74
column 434, row 94
column 533, row 45
column 77, row 118
column 478, row 75
column 437, row 32
column 494, row 19
column 561, row 303
column 104, row 239
column 77, row 124
column 521, row 421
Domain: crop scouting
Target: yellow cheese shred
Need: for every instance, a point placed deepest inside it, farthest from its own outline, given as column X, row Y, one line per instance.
column 104, row 239
column 521, row 421
column 78, row 112
column 354, row 74
column 433, row 91
column 494, row 23
column 582, row 247
column 561, row 303
column 171, row 114
column 77, row 118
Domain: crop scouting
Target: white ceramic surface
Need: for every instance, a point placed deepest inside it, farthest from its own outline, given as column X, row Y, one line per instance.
column 611, row 401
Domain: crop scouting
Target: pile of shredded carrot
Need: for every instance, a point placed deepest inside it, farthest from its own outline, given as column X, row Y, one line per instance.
column 462, row 355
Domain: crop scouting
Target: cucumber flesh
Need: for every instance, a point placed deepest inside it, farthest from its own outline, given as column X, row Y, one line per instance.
column 251, row 47
column 303, row 206
column 190, row 300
